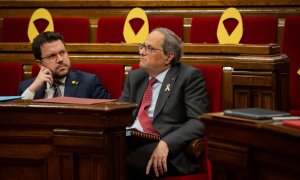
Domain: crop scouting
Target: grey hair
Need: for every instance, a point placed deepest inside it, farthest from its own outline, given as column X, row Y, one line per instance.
column 171, row 43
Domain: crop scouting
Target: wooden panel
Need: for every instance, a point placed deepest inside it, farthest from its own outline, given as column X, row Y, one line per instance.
column 59, row 141
column 252, row 149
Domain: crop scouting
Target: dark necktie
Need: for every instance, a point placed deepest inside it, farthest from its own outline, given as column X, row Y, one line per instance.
column 57, row 91
column 143, row 116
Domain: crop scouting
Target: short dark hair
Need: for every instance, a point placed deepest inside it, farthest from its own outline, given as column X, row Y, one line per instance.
column 43, row 38
column 172, row 43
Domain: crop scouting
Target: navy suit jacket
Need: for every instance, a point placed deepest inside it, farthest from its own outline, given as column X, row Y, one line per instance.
column 177, row 111
column 78, row 84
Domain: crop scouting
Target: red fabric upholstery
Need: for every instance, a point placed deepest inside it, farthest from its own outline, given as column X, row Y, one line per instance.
column 110, row 30
column 73, row 29
column 10, row 76
column 290, row 47
column 295, row 112
column 257, row 30
column 173, row 23
column 110, row 75
column 213, row 79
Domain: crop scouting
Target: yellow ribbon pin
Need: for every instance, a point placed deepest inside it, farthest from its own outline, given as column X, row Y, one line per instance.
column 168, row 87
column 74, row 82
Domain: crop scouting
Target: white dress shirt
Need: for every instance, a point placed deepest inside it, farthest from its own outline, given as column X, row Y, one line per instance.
column 49, row 92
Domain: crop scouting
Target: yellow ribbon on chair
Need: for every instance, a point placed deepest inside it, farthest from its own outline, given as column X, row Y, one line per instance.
column 40, row 13
column 236, row 35
column 128, row 33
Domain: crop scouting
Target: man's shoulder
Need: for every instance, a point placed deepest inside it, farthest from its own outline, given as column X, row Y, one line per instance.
column 27, row 82
column 140, row 72
column 81, row 73
column 187, row 68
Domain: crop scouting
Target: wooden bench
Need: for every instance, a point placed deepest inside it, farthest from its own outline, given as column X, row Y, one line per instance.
column 259, row 76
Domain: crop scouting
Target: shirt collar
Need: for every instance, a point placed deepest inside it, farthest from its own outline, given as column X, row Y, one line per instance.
column 62, row 80
column 160, row 78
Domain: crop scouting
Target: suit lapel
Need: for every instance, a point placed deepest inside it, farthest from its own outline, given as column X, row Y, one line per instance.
column 166, row 89
column 71, row 84
column 140, row 93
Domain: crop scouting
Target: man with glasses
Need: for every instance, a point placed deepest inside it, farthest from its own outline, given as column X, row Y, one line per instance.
column 170, row 97
column 55, row 77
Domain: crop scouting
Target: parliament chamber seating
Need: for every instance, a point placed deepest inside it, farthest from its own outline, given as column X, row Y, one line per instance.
column 74, row 30
column 290, row 47
column 110, row 75
column 256, row 30
column 110, row 29
column 10, row 75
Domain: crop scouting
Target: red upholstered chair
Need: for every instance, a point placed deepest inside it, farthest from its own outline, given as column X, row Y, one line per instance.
column 290, row 47
column 256, row 30
column 73, row 29
column 10, row 76
column 110, row 30
column 110, row 75
column 213, row 79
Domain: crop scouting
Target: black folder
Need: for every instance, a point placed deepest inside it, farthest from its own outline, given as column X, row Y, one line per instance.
column 255, row 113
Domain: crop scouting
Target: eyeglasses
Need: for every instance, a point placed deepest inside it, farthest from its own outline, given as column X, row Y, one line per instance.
column 148, row 48
column 53, row 57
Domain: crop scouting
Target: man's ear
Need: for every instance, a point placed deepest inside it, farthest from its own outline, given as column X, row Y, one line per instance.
column 170, row 57
column 39, row 62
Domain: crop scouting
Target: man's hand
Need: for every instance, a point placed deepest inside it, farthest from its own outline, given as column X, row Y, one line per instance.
column 45, row 75
column 158, row 159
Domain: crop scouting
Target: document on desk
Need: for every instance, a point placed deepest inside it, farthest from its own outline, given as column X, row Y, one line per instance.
column 255, row 113
column 7, row 98
column 73, row 100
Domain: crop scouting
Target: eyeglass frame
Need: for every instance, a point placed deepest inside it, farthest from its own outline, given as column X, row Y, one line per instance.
column 148, row 48
column 53, row 56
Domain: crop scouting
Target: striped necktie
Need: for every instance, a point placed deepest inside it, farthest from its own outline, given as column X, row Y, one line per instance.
column 57, row 91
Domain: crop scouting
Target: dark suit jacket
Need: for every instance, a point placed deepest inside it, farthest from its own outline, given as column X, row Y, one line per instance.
column 177, row 111
column 86, row 86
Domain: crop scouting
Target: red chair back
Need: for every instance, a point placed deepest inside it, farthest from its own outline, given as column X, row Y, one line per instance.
column 73, row 29
column 10, row 76
column 110, row 75
column 290, row 47
column 110, row 30
column 256, row 30
column 213, row 80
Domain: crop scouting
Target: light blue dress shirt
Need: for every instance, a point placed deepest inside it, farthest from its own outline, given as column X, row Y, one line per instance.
column 155, row 92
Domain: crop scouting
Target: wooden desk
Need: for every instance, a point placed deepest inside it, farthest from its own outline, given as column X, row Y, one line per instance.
column 59, row 141
column 243, row 149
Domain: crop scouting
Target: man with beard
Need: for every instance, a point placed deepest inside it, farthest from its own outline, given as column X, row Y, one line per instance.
column 55, row 77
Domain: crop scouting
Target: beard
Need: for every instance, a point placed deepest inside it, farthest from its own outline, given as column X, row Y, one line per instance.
column 61, row 71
